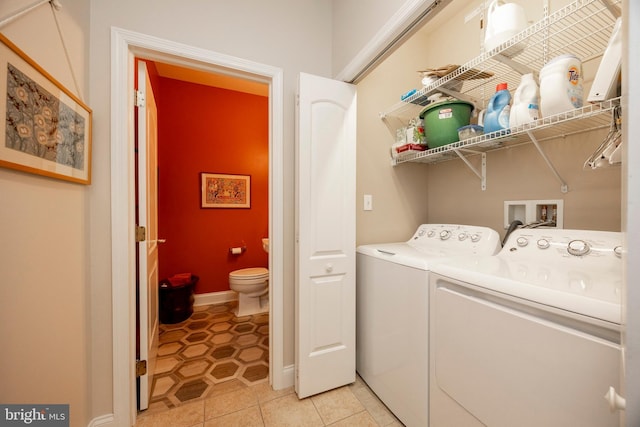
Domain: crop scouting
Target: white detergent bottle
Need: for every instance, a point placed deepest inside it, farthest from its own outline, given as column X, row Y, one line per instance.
column 525, row 102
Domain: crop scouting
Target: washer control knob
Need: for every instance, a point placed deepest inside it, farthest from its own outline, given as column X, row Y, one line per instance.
column 421, row 232
column 431, row 233
column 445, row 234
column 475, row 237
column 543, row 243
column 522, row 241
column 578, row 247
column 462, row 236
column 618, row 251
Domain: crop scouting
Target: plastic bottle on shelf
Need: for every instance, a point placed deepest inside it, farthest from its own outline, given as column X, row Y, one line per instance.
column 561, row 85
column 525, row 102
column 496, row 117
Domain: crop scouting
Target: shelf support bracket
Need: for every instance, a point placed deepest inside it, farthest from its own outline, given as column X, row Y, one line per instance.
column 515, row 65
column 482, row 174
column 563, row 185
column 459, row 95
column 615, row 12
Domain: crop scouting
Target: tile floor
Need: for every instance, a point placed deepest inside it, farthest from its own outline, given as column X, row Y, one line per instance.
column 210, row 348
column 211, row 372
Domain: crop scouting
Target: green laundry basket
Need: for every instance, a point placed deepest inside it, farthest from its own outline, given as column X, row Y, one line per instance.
column 442, row 120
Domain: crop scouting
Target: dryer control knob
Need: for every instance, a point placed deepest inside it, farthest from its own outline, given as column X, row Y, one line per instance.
column 618, row 251
column 578, row 247
column 445, row 234
column 522, row 241
column 462, row 236
column 431, row 233
column 475, row 237
column 543, row 243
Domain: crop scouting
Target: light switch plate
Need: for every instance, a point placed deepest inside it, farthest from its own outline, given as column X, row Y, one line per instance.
column 368, row 202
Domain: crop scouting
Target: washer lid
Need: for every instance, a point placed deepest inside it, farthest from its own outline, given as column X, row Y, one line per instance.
column 249, row 273
column 543, row 270
column 405, row 254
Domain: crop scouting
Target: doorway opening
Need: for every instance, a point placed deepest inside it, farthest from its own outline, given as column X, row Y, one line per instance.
column 207, row 124
column 126, row 45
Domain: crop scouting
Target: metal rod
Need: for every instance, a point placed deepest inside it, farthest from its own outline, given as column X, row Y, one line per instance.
column 564, row 188
column 24, row 11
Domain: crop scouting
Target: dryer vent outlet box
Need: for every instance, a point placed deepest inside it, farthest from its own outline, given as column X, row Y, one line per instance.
column 547, row 212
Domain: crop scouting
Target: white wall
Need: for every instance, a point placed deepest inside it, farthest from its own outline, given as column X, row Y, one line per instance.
column 43, row 229
column 355, row 23
column 363, row 29
column 292, row 35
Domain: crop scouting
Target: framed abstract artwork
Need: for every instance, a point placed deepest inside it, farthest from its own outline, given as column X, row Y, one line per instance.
column 44, row 128
column 225, row 191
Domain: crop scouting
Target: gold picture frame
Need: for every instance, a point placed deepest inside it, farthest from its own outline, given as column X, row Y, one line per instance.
column 225, row 190
column 45, row 128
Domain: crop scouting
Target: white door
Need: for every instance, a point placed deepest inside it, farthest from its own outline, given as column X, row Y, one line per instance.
column 325, row 235
column 147, row 217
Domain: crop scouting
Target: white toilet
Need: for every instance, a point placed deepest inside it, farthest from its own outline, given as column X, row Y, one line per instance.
column 252, row 286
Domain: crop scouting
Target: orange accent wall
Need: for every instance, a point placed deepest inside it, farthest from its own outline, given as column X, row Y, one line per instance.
column 206, row 129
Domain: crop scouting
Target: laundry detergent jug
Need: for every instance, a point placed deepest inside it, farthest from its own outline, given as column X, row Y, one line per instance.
column 496, row 117
column 525, row 102
column 561, row 85
column 504, row 20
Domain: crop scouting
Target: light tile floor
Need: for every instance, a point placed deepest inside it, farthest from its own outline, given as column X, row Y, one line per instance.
column 194, row 386
column 259, row 405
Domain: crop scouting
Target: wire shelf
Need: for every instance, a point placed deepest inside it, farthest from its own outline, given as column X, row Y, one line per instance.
column 588, row 118
column 581, row 28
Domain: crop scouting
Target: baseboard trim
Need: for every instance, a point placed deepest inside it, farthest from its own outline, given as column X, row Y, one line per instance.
column 215, row 298
column 102, row 420
column 288, row 376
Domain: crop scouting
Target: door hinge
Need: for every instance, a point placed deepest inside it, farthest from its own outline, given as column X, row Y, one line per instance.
column 141, row 368
column 141, row 234
column 138, row 97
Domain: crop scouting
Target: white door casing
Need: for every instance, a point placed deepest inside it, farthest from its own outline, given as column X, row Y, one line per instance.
column 147, row 148
column 125, row 45
column 325, row 235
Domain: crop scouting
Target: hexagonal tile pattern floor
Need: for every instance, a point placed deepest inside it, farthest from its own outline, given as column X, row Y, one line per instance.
column 211, row 348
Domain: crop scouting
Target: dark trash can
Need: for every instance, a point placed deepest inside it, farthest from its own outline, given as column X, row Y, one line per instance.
column 176, row 301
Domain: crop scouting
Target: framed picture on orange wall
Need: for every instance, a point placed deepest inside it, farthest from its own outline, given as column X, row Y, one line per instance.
column 225, row 191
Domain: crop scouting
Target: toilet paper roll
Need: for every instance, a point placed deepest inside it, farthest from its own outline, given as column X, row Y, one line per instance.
column 236, row 251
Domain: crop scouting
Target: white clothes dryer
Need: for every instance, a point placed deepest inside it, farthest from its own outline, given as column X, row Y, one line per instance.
column 392, row 311
column 529, row 337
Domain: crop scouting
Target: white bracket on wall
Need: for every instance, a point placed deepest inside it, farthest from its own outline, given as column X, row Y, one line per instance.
column 482, row 174
column 515, row 65
column 563, row 185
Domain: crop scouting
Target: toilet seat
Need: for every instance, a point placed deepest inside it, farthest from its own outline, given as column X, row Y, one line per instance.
column 249, row 275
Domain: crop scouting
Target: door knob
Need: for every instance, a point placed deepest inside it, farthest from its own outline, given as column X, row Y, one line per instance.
column 616, row 402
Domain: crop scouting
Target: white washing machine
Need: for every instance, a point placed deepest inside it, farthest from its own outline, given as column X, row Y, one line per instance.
column 530, row 336
column 392, row 311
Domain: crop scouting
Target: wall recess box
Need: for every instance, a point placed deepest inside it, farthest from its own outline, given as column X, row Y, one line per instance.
column 534, row 212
